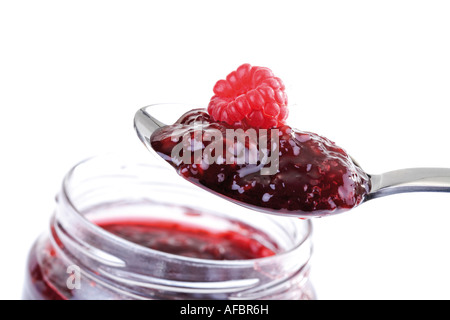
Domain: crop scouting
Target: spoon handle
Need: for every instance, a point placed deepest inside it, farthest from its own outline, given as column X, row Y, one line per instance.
column 410, row 180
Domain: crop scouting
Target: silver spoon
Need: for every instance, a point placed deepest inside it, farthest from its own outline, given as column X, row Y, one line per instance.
column 153, row 117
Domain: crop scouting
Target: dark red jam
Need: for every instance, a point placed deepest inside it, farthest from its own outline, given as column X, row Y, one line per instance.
column 189, row 241
column 314, row 176
column 37, row 286
column 170, row 237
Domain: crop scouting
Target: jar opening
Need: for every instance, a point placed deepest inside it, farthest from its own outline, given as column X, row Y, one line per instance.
column 134, row 192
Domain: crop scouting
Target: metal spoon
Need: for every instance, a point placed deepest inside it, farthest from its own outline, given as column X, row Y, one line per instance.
column 155, row 116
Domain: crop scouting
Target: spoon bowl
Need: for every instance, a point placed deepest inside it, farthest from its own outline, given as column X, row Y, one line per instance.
column 150, row 118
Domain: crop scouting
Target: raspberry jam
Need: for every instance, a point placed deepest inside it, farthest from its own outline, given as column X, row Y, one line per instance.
column 314, row 177
column 127, row 229
column 188, row 241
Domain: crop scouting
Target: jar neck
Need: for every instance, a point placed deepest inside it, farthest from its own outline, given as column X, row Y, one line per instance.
column 140, row 272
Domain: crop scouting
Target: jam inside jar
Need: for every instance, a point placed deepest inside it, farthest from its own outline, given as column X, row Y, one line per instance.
column 127, row 229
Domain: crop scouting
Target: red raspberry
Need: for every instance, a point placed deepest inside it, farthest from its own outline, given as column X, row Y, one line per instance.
column 250, row 97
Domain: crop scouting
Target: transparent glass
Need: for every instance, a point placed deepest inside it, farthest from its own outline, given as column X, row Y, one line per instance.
column 77, row 259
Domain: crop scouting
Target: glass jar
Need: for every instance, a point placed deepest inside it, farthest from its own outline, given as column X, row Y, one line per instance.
column 77, row 259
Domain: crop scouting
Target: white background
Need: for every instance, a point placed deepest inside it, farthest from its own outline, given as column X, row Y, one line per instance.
column 373, row 76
